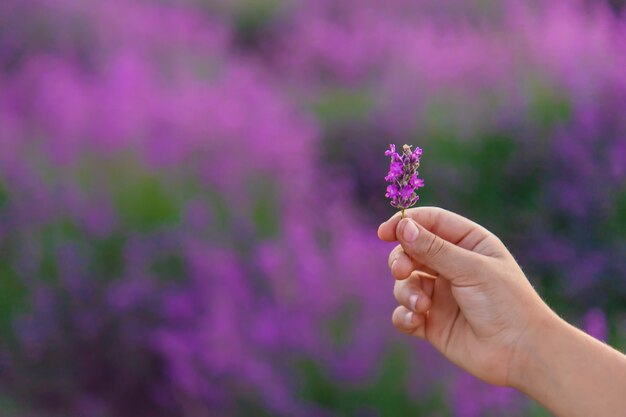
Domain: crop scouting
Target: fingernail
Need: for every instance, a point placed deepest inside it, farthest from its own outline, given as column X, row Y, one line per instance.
column 393, row 263
column 413, row 301
column 408, row 319
column 410, row 231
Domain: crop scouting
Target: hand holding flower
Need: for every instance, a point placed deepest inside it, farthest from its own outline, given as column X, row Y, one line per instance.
column 460, row 288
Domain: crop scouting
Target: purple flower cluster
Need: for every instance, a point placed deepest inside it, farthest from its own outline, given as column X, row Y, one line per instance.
column 403, row 176
column 138, row 259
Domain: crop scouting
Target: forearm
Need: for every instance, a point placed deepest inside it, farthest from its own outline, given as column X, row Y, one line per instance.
column 571, row 373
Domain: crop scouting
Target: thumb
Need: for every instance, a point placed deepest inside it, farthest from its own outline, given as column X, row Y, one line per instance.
column 449, row 260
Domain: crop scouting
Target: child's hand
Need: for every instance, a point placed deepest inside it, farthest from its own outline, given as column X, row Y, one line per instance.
column 475, row 305
column 480, row 311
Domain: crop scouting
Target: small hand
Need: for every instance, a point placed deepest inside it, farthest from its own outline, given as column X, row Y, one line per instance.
column 459, row 288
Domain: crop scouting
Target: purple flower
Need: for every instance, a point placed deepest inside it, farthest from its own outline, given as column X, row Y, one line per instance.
column 392, row 191
column 416, row 182
column 403, row 176
column 407, row 192
column 395, row 171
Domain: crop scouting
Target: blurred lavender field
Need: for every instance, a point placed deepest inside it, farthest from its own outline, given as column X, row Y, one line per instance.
column 190, row 191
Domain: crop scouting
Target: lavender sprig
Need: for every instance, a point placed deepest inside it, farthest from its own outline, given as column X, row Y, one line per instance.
column 403, row 177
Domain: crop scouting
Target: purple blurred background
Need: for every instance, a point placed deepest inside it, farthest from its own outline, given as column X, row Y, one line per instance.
column 190, row 191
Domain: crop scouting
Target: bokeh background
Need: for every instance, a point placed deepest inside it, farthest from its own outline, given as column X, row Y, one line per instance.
column 190, row 192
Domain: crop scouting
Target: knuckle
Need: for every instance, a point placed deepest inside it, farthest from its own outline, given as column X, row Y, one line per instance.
column 398, row 319
column 402, row 268
column 400, row 291
column 435, row 246
column 395, row 319
column 403, row 290
column 397, row 290
column 394, row 254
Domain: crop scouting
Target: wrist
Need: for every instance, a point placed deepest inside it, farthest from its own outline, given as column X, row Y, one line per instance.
column 532, row 352
column 569, row 372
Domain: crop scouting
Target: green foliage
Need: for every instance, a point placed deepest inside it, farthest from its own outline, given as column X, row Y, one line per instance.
column 339, row 328
column 50, row 238
column 12, row 296
column 341, row 105
column 47, row 266
column 4, row 195
column 9, row 406
column 616, row 224
column 107, row 257
column 169, row 268
column 253, row 17
column 265, row 209
column 548, row 106
column 387, row 395
column 487, row 194
column 145, row 204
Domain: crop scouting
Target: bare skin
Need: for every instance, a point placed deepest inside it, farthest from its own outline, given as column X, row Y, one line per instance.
column 460, row 288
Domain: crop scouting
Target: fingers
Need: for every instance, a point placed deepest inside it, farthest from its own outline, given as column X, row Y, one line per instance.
column 409, row 322
column 449, row 260
column 387, row 229
column 449, row 226
column 402, row 266
column 414, row 293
